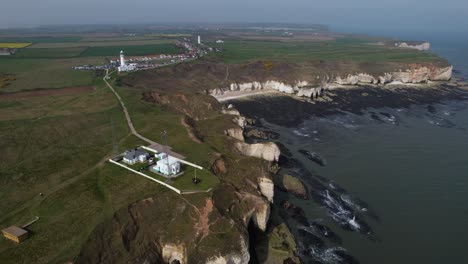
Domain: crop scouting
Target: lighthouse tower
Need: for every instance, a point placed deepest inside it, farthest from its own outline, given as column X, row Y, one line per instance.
column 122, row 58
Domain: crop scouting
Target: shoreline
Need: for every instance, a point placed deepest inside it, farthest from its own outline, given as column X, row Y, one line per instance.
column 306, row 231
column 289, row 110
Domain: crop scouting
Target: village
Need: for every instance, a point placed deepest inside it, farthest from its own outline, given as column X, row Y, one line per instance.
column 135, row 63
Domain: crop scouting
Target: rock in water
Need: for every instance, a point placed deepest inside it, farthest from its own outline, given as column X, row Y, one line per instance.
column 292, row 185
column 315, row 157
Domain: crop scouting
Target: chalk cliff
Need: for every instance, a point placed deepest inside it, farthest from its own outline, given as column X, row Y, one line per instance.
column 415, row 74
column 268, row 151
column 420, row 46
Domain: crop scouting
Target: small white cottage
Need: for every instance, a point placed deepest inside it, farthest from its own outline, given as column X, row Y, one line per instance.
column 135, row 155
column 166, row 165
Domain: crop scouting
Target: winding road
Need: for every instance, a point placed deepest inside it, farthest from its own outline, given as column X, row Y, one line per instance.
column 127, row 115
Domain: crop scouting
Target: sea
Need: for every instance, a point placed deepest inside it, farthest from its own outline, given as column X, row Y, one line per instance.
column 393, row 188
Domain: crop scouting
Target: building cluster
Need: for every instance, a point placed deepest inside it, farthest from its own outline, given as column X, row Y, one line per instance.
column 7, row 51
column 124, row 64
column 161, row 163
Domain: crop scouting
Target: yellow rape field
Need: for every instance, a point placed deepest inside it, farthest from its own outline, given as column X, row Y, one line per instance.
column 14, row 45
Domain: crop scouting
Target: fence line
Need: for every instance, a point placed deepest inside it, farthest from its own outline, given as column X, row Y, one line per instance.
column 148, row 177
column 179, row 160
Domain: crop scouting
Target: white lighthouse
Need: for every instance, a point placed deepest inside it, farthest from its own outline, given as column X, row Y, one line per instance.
column 124, row 67
column 122, row 58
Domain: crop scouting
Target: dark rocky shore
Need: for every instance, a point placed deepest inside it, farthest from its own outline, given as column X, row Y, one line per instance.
column 317, row 242
column 288, row 111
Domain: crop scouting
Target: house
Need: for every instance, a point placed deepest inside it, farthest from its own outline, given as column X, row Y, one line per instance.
column 220, row 41
column 136, row 155
column 166, row 165
column 15, row 233
column 5, row 52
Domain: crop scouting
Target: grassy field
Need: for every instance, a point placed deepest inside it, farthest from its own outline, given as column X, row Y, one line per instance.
column 40, row 39
column 131, row 50
column 353, row 50
column 110, row 42
column 46, row 73
column 58, row 146
column 50, row 53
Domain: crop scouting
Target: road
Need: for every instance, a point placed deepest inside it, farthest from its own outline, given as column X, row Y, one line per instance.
column 153, row 145
column 127, row 115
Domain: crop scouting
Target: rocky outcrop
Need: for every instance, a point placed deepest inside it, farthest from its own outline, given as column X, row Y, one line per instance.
column 240, row 121
column 235, row 132
column 266, row 188
column 239, row 257
column 421, row 46
column 257, row 210
column 268, row 151
column 292, row 185
column 172, row 253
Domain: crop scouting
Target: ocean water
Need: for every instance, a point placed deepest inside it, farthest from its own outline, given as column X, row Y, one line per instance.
column 402, row 173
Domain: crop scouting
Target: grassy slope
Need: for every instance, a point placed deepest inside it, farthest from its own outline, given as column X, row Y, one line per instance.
column 46, row 73
column 57, row 146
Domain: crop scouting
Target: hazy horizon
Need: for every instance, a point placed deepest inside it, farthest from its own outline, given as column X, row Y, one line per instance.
column 430, row 15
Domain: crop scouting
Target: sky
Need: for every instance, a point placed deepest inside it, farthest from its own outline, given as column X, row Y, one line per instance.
column 348, row 15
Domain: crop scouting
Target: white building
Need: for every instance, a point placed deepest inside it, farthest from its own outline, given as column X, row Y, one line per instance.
column 166, row 165
column 199, row 40
column 136, row 155
column 220, row 41
column 124, row 67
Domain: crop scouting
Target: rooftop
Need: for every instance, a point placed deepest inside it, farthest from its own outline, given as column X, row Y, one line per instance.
column 131, row 154
column 14, row 231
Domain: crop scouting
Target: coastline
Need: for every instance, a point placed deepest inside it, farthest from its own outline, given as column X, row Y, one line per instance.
column 288, row 111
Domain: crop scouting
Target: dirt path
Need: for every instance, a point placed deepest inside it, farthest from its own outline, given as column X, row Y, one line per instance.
column 127, row 115
column 189, row 131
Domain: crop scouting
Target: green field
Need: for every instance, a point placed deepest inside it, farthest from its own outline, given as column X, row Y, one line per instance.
column 131, row 50
column 352, row 50
column 109, row 42
column 40, row 39
column 46, row 73
column 58, row 146
column 50, row 53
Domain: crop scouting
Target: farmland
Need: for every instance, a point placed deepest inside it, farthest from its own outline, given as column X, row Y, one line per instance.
column 352, row 50
column 30, row 73
column 131, row 50
column 14, row 45
column 50, row 53
column 108, row 42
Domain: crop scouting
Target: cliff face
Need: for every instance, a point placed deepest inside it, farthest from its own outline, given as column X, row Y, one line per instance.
column 422, row 46
column 267, row 151
column 414, row 75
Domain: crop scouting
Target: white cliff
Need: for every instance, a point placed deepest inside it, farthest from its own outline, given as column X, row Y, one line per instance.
column 268, row 151
column 241, row 257
column 267, row 188
column 172, row 252
column 235, row 132
column 423, row 46
column 302, row 88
